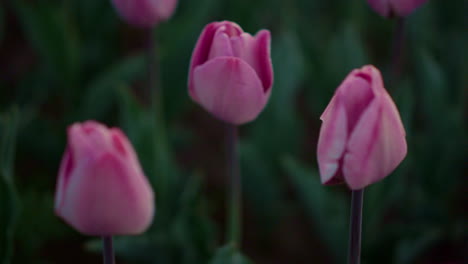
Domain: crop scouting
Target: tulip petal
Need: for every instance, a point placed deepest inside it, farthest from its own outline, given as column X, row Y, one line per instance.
column 332, row 142
column 221, row 45
column 376, row 146
column 230, row 89
column 98, row 196
column 66, row 166
column 357, row 94
column 256, row 52
column 405, row 7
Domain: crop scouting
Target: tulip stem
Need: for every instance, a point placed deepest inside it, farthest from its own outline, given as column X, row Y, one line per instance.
column 355, row 227
column 397, row 50
column 108, row 250
column 235, row 199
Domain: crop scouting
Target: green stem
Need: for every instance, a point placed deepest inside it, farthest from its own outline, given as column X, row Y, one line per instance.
column 235, row 199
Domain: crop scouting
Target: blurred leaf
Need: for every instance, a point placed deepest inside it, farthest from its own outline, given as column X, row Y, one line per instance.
column 409, row 249
column 259, row 174
column 229, row 255
column 52, row 35
column 281, row 112
column 148, row 134
column 9, row 204
column 326, row 209
column 101, row 91
column 433, row 88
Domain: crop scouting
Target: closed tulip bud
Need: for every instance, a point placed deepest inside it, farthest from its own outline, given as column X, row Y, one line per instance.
column 145, row 13
column 362, row 139
column 101, row 189
column 231, row 74
column 391, row 8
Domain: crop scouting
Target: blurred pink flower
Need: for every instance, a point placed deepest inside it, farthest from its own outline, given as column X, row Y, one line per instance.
column 390, row 8
column 231, row 74
column 101, row 188
column 362, row 139
column 145, row 13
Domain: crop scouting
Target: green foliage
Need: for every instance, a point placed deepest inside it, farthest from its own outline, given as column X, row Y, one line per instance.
column 9, row 204
column 68, row 61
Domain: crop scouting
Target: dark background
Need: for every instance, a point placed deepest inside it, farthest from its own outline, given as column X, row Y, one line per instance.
column 73, row 60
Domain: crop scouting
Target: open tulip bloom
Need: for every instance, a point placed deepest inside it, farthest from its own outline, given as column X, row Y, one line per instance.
column 361, row 141
column 231, row 73
column 101, row 188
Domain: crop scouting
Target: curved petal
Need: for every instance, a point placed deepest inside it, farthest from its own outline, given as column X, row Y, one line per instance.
column 202, row 48
column 332, row 142
column 376, row 146
column 230, row 89
column 66, row 166
column 164, row 8
column 97, row 201
column 256, row 52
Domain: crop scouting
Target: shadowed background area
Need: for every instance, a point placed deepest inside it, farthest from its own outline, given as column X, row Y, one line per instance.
column 73, row 60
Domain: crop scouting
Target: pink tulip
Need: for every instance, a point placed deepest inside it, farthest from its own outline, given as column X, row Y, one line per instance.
column 101, row 188
column 145, row 13
column 362, row 139
column 231, row 74
column 391, row 8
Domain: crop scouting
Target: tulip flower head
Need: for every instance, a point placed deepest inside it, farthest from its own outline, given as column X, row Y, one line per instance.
column 231, row 74
column 145, row 13
column 391, row 8
column 101, row 189
column 362, row 138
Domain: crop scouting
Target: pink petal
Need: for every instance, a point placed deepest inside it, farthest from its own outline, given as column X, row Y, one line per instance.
column 357, row 94
column 202, row 49
column 376, row 146
column 221, row 45
column 66, row 166
column 230, row 89
column 405, row 7
column 145, row 13
column 108, row 198
column 332, row 141
column 256, row 52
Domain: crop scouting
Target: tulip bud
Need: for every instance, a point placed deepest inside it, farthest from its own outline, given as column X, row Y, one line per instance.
column 362, row 139
column 231, row 74
column 391, row 8
column 101, row 189
column 145, row 13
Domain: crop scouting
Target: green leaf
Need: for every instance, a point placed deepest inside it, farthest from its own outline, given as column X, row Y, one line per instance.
column 261, row 186
column 229, row 255
column 101, row 92
column 327, row 209
column 9, row 204
column 50, row 32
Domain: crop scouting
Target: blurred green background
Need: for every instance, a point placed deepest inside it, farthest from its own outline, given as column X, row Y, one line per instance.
column 73, row 60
